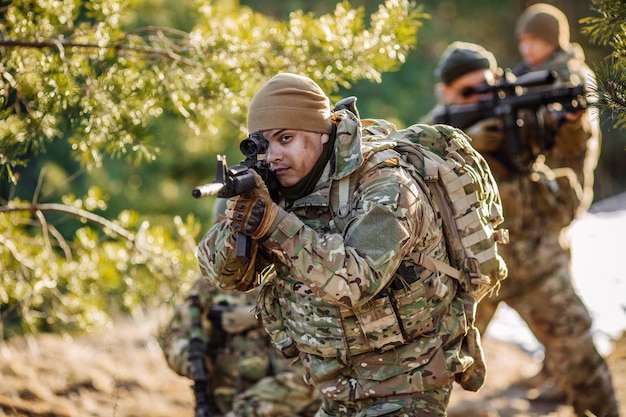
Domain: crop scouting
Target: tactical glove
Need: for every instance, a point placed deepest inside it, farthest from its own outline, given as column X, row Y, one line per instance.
column 253, row 213
column 486, row 135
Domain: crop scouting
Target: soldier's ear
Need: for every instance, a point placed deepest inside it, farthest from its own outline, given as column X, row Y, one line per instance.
column 325, row 137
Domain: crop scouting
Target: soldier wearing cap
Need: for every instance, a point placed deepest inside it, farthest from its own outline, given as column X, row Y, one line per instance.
column 543, row 36
column 338, row 270
column 462, row 67
column 538, row 206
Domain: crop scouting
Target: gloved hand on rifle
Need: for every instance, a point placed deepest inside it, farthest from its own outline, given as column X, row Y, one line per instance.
column 253, row 212
column 486, row 135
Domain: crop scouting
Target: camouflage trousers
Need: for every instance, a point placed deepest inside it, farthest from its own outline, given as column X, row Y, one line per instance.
column 420, row 404
column 540, row 289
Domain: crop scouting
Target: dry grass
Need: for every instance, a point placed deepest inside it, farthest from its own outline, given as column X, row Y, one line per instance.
column 121, row 373
column 117, row 373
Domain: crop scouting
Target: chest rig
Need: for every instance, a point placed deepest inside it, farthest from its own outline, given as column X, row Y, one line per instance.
column 297, row 320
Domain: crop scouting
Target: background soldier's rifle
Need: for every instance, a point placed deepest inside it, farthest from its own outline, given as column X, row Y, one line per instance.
column 195, row 355
column 504, row 99
column 237, row 179
column 199, row 350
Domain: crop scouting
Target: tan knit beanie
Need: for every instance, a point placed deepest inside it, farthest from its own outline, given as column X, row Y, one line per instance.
column 290, row 101
column 546, row 22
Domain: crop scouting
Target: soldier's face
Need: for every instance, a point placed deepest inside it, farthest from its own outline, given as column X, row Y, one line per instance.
column 534, row 50
column 293, row 153
column 461, row 90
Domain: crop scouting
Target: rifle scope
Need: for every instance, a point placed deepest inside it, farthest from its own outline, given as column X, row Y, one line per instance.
column 510, row 83
column 254, row 145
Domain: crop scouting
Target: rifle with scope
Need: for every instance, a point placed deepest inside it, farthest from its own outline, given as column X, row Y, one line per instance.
column 238, row 179
column 504, row 100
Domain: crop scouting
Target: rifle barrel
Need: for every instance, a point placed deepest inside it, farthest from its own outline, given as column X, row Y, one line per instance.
column 207, row 189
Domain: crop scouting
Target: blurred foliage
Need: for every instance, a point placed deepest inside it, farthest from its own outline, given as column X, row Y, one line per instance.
column 119, row 108
column 94, row 89
column 72, row 72
column 51, row 283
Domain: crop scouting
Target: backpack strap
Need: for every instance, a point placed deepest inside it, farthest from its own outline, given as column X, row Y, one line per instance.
column 343, row 208
column 435, row 265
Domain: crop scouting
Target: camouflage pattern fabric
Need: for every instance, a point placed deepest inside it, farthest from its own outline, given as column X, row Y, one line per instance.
column 244, row 375
column 563, row 326
column 537, row 213
column 577, row 143
column 331, row 290
column 543, row 295
column 540, row 285
column 414, row 405
column 281, row 395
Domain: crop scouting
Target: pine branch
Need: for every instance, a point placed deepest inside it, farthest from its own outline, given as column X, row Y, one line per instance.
column 609, row 28
column 106, row 224
column 174, row 41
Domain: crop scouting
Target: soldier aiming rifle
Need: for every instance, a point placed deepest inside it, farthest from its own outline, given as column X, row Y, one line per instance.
column 540, row 203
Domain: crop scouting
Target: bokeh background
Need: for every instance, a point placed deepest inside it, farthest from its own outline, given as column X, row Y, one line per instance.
column 162, row 188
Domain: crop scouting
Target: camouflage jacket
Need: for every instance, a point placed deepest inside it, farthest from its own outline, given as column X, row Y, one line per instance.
column 244, row 375
column 560, row 184
column 334, row 286
column 577, row 144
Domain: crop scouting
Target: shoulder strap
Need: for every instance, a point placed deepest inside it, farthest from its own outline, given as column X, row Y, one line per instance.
column 343, row 209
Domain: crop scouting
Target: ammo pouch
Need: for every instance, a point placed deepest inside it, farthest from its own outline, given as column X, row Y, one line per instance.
column 268, row 308
column 409, row 307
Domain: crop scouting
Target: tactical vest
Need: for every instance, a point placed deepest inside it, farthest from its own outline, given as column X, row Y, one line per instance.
column 409, row 307
column 457, row 183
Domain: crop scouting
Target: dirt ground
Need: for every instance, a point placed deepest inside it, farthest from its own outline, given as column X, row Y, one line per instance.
column 122, row 373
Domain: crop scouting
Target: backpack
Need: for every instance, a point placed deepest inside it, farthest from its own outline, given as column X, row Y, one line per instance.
column 464, row 194
column 461, row 190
